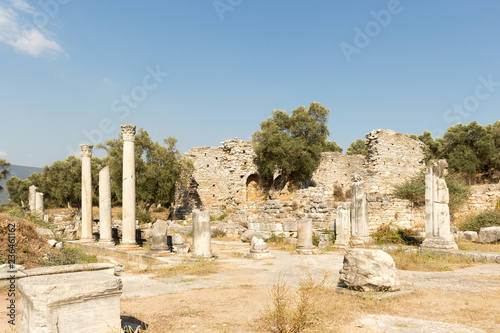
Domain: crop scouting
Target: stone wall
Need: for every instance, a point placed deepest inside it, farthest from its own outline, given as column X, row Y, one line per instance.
column 226, row 181
column 483, row 197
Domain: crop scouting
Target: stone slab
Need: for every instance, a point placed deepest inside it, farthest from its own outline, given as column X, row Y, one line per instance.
column 70, row 302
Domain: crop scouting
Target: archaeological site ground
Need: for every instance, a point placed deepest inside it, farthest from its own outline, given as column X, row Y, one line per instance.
column 239, row 253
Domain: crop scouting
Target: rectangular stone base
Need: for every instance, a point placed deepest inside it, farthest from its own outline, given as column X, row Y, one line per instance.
column 70, row 302
column 438, row 244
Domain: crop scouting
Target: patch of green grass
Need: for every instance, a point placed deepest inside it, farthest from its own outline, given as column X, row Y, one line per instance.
column 68, row 256
column 199, row 268
column 487, row 218
column 388, row 234
column 429, row 261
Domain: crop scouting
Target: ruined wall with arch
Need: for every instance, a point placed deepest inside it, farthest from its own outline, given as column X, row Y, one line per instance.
column 227, row 182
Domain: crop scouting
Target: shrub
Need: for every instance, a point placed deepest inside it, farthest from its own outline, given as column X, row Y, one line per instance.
column 414, row 190
column 388, row 234
column 488, row 218
column 144, row 216
column 68, row 256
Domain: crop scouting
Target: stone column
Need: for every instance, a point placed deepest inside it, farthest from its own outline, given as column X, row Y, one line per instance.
column 437, row 213
column 343, row 228
column 159, row 236
column 304, row 237
column 86, row 152
column 201, row 234
column 359, row 213
column 32, row 198
column 128, row 194
column 39, row 203
column 105, row 237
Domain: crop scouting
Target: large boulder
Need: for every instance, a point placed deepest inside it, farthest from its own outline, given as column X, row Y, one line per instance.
column 489, row 235
column 369, row 270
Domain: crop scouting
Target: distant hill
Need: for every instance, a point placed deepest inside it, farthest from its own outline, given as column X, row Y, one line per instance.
column 19, row 171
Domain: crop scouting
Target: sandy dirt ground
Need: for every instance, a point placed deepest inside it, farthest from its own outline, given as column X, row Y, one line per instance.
column 234, row 299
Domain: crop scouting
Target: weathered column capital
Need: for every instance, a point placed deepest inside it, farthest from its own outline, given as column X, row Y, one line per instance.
column 86, row 150
column 128, row 132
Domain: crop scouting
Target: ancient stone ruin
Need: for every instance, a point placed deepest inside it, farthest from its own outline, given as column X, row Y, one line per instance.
column 437, row 214
column 226, row 181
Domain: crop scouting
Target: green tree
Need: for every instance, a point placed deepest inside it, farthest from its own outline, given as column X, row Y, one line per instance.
column 332, row 146
column 18, row 191
column 4, row 170
column 357, row 147
column 292, row 144
column 469, row 149
column 159, row 169
column 432, row 148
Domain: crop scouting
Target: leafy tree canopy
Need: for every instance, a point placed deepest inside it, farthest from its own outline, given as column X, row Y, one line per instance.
column 292, row 144
column 3, row 169
column 357, row 147
column 332, row 146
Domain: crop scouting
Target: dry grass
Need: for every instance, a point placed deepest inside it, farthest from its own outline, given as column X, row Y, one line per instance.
column 199, row 268
column 474, row 246
column 429, row 262
column 289, row 312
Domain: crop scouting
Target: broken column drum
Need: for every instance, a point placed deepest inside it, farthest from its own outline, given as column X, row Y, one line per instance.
column 201, row 234
column 304, row 236
column 86, row 152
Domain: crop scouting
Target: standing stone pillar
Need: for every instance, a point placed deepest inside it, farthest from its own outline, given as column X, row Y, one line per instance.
column 39, row 209
column 359, row 218
column 201, row 234
column 437, row 213
column 304, row 237
column 105, row 237
column 128, row 194
column 86, row 152
column 343, row 228
column 32, row 198
column 159, row 236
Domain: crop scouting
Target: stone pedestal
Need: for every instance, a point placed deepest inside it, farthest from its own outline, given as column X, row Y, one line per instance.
column 105, row 237
column 32, row 198
column 128, row 197
column 86, row 152
column 343, row 228
column 437, row 215
column 159, row 236
column 359, row 213
column 201, row 234
column 70, row 303
column 39, row 209
column 259, row 250
column 304, row 237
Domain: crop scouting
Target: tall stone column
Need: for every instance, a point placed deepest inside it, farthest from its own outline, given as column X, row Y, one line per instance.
column 437, row 213
column 304, row 237
column 39, row 203
column 128, row 194
column 86, row 152
column 32, row 198
column 359, row 214
column 105, row 237
column 343, row 228
column 201, row 234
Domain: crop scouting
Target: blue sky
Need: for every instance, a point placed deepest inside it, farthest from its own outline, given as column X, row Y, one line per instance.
column 73, row 71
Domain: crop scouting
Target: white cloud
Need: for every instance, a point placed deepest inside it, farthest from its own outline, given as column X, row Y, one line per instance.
column 2, row 153
column 18, row 30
